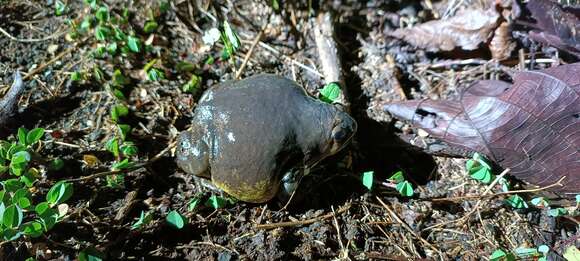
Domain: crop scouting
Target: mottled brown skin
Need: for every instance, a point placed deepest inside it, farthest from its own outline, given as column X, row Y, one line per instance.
column 531, row 126
column 246, row 134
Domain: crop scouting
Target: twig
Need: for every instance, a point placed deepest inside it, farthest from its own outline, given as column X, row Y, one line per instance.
column 44, row 65
column 409, row 229
column 52, row 36
column 250, row 52
column 279, row 54
column 133, row 168
column 558, row 183
column 302, row 222
column 328, row 54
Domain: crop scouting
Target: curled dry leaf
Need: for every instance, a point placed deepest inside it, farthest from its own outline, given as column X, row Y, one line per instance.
column 467, row 29
column 501, row 44
column 558, row 26
column 531, row 126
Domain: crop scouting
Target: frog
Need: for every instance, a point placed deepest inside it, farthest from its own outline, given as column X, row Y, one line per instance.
column 247, row 134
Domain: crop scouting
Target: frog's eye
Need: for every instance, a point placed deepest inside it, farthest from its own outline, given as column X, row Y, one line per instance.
column 338, row 134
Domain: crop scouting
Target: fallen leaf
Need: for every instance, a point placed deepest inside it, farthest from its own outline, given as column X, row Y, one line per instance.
column 467, row 29
column 502, row 45
column 558, row 26
column 531, row 126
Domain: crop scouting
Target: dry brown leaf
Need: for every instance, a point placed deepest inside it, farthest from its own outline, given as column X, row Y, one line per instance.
column 501, row 44
column 467, row 29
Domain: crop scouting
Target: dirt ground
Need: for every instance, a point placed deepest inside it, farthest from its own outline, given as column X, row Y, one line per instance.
column 334, row 216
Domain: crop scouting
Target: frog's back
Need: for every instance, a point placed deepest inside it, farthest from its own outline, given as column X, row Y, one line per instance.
column 268, row 108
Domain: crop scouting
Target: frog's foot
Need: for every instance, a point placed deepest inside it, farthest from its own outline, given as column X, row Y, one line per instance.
column 289, row 184
column 203, row 185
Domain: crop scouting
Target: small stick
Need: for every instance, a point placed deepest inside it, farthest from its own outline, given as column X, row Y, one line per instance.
column 52, row 36
column 328, row 54
column 249, row 53
column 10, row 100
column 44, row 65
column 558, row 183
column 409, row 229
column 302, row 222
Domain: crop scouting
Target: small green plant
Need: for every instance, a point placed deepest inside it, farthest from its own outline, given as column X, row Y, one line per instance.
column 20, row 212
column 330, row 92
column 59, row 8
column 175, row 219
column 230, row 40
column 144, row 219
column 540, row 202
column 479, row 168
column 404, row 187
column 501, row 255
column 516, row 201
column 368, row 179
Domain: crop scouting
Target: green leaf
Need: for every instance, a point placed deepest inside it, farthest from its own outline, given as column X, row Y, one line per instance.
column 232, row 36
column 397, row 177
column 118, row 111
column 112, row 48
column 499, row 254
column 102, row 14
column 98, row 74
column 87, row 23
column 119, row 34
column 557, row 212
column 22, row 136
column 59, row 8
column 216, row 202
column 59, row 193
column 524, row 252
column 10, row 234
column 193, row 85
column 540, row 202
column 124, row 130
column 32, row 229
column 275, row 5
column 478, row 171
column 155, row 74
column 516, row 201
column 102, row 32
column 405, row 189
column 544, row 249
column 91, row 254
column 128, row 149
column 193, row 203
column 144, row 219
column 48, row 218
column 112, row 146
column 76, row 76
column 119, row 79
column 22, row 198
column 19, row 162
column 100, row 51
column 41, row 208
column 150, row 27
column 125, row 164
column 34, row 136
column 330, row 92
column 134, row 44
column 11, row 185
column 367, row 179
column 175, row 219
column 12, row 217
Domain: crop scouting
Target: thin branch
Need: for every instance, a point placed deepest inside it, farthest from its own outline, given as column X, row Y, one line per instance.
column 302, row 222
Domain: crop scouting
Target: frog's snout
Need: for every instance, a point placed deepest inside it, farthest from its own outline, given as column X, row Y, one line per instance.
column 344, row 129
column 192, row 154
